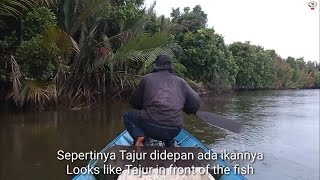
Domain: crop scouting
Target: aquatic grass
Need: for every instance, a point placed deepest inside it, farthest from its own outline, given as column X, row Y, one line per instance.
column 35, row 92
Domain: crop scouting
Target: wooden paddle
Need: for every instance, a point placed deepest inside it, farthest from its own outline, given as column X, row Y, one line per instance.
column 220, row 121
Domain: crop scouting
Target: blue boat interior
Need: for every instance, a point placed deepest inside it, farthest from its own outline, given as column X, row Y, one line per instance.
column 184, row 139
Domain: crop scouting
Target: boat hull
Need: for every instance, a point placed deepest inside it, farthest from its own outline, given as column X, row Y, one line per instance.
column 184, row 139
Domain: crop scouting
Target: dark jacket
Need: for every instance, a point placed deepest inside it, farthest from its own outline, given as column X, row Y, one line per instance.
column 162, row 96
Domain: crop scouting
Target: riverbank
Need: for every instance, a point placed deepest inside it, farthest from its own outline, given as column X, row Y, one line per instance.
column 203, row 91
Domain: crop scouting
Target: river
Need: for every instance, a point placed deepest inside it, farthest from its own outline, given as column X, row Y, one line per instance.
column 283, row 125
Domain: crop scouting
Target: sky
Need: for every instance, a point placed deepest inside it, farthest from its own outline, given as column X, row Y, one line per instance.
column 288, row 26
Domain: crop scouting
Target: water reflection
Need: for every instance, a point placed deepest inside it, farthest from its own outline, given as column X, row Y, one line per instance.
column 29, row 141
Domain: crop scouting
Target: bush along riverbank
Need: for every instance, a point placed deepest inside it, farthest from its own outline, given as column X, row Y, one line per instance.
column 69, row 52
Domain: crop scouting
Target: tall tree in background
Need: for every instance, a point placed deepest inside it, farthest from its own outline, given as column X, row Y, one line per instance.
column 203, row 51
column 256, row 67
column 189, row 20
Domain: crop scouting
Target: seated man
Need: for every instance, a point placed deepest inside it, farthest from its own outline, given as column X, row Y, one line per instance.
column 161, row 96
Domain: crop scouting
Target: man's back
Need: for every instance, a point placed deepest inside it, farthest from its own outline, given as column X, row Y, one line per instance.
column 162, row 97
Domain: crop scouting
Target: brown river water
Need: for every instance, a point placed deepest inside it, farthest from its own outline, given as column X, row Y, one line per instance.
column 283, row 125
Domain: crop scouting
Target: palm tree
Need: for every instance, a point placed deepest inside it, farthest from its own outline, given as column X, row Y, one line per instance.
column 103, row 62
column 100, row 63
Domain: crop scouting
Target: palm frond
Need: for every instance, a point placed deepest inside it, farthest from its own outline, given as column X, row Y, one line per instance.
column 165, row 24
column 15, row 74
column 139, row 27
column 122, row 78
column 37, row 92
column 146, row 41
column 149, row 57
column 76, row 12
column 29, row 91
column 16, row 8
column 47, row 2
column 141, row 43
column 138, row 49
column 53, row 34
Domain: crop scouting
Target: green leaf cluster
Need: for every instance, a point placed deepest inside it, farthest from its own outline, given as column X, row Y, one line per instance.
column 35, row 61
column 37, row 20
column 202, row 51
column 256, row 67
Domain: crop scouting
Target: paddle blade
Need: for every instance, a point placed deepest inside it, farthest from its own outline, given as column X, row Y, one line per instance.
column 220, row 121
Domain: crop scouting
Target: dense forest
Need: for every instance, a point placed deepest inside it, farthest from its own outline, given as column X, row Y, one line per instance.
column 68, row 52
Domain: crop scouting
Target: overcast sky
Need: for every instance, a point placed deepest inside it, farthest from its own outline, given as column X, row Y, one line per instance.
column 288, row 26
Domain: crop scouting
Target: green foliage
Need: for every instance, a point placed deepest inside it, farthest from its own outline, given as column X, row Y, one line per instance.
column 256, row 67
column 35, row 61
column 197, row 52
column 283, row 74
column 139, row 53
column 189, row 20
column 105, row 46
column 153, row 26
column 77, row 13
column 37, row 20
column 203, row 52
column 54, row 37
column 294, row 73
column 114, row 51
column 159, row 24
column 179, row 69
column 8, row 43
column 302, row 74
column 7, row 48
column 206, row 57
column 16, row 8
column 127, row 14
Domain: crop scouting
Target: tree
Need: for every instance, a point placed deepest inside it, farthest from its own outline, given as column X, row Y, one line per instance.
column 189, row 20
column 203, row 52
column 256, row 67
column 206, row 57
